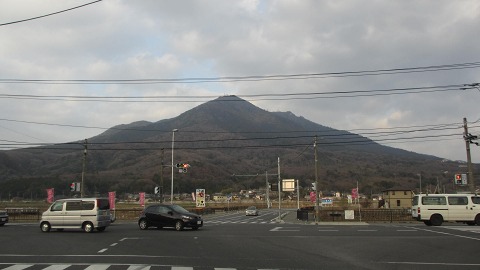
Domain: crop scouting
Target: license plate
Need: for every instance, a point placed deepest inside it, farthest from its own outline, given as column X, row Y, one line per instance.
column 199, row 222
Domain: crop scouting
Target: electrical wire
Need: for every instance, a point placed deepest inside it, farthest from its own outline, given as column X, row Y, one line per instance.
column 50, row 14
column 254, row 78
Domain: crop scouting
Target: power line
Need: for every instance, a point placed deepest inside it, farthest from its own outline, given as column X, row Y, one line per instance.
column 253, row 97
column 299, row 76
column 50, row 14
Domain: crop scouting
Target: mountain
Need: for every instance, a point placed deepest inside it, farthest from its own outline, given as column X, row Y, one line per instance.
column 227, row 142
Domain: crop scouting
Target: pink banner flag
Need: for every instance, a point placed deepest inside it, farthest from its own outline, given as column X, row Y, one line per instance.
column 111, row 199
column 50, row 195
column 354, row 193
column 141, row 198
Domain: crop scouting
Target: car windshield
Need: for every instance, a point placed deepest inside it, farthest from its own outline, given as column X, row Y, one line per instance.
column 179, row 209
column 251, row 208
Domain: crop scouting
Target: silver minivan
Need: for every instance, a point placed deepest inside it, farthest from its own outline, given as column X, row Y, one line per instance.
column 87, row 214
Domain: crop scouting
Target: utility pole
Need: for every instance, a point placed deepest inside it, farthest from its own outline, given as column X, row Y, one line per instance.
column 267, row 193
column 470, row 178
column 279, row 193
column 317, row 186
column 82, row 187
column 161, row 178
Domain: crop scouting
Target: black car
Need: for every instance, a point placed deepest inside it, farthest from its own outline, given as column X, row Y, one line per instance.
column 3, row 217
column 166, row 215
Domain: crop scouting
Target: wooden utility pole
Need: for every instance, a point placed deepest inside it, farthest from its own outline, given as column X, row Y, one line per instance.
column 470, row 177
column 317, row 186
column 161, row 178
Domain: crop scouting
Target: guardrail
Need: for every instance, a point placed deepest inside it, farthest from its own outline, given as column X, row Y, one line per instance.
column 372, row 215
column 367, row 215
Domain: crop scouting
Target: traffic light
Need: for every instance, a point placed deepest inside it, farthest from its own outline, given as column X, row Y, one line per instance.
column 185, row 167
column 73, row 186
column 458, row 179
column 182, row 167
column 314, row 186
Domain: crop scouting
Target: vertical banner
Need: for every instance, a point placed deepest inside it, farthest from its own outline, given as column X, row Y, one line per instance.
column 111, row 199
column 313, row 196
column 50, row 195
column 354, row 193
column 200, row 198
column 141, row 198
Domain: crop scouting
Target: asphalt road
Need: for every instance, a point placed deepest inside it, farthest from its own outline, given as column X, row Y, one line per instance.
column 234, row 241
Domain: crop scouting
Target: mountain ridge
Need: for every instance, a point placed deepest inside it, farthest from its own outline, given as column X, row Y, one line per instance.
column 220, row 138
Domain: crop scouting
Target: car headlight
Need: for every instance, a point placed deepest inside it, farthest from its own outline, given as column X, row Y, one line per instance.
column 186, row 218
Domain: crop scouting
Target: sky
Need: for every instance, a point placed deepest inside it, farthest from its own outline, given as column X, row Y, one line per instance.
column 400, row 72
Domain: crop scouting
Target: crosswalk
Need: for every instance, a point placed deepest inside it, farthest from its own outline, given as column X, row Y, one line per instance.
column 4, row 266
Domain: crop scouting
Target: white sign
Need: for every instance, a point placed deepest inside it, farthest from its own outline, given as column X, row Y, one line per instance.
column 349, row 214
column 288, row 185
column 200, row 198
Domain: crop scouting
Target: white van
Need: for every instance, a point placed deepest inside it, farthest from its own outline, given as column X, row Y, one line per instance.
column 434, row 209
column 83, row 213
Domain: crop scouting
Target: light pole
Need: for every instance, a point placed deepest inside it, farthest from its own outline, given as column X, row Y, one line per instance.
column 173, row 143
column 420, row 179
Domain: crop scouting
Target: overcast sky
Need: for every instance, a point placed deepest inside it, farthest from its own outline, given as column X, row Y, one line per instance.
column 151, row 39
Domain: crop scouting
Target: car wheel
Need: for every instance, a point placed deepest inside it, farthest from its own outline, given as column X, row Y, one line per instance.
column 436, row 220
column 143, row 224
column 88, row 227
column 179, row 225
column 45, row 227
column 477, row 220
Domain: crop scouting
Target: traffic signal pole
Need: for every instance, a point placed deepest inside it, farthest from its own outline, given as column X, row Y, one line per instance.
column 82, row 187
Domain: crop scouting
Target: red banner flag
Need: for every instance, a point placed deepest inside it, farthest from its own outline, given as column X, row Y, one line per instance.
column 354, row 193
column 50, row 195
column 141, row 198
column 111, row 199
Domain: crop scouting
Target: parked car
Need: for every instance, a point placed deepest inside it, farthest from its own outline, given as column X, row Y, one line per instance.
column 251, row 211
column 82, row 213
column 166, row 215
column 3, row 217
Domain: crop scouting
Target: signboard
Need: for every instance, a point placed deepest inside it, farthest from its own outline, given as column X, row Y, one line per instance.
column 288, row 185
column 349, row 214
column 327, row 201
column 200, row 198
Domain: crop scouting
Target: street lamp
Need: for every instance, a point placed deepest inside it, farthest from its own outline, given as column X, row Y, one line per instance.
column 420, row 179
column 173, row 143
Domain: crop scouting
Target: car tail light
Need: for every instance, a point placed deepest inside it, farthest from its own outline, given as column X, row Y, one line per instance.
column 418, row 210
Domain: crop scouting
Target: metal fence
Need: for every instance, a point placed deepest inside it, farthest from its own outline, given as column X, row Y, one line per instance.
column 367, row 215
column 307, row 214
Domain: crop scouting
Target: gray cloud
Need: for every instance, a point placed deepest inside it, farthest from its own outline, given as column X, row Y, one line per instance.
column 180, row 39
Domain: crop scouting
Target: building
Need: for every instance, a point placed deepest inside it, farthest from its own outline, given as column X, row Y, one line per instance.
column 398, row 198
